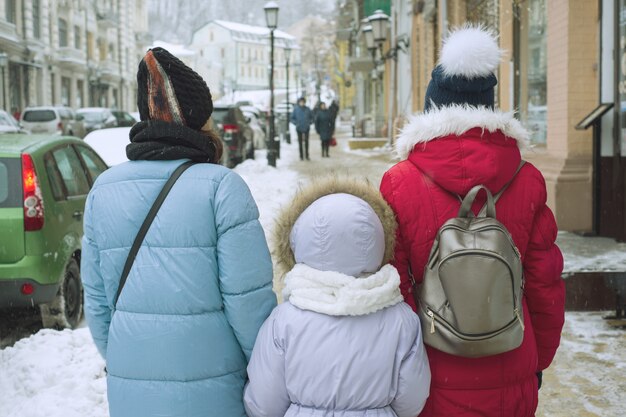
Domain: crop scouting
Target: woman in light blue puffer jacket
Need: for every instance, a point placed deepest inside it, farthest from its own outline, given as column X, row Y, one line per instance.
column 179, row 339
column 343, row 343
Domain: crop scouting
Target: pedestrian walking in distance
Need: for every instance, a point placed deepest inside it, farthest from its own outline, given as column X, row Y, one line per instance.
column 302, row 118
column 460, row 142
column 334, row 112
column 178, row 331
column 343, row 343
column 324, row 128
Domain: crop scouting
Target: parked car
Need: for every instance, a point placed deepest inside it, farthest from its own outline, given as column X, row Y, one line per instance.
column 44, row 181
column 8, row 124
column 136, row 116
column 110, row 144
column 236, row 135
column 53, row 119
column 252, row 115
column 124, row 119
column 97, row 118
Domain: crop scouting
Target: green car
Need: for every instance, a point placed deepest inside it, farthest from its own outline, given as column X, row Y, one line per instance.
column 44, row 182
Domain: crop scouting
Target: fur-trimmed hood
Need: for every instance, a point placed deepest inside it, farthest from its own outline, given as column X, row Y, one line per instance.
column 317, row 189
column 456, row 120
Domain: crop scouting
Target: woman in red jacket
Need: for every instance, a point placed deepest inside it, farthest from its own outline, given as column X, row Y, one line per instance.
column 459, row 142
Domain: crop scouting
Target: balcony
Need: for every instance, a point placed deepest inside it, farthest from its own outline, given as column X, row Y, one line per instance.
column 8, row 31
column 70, row 56
column 107, row 19
column 109, row 69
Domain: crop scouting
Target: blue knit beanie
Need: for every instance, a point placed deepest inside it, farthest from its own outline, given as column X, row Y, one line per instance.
column 465, row 73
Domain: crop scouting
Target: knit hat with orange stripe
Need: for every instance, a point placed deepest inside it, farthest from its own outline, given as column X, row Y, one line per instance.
column 170, row 91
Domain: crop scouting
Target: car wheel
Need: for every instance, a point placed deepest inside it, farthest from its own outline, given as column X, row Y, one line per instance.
column 66, row 310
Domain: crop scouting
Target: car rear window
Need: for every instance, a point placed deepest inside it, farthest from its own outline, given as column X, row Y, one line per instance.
column 39, row 116
column 10, row 182
column 219, row 115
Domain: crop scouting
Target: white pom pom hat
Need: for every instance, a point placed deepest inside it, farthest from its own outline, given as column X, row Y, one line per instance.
column 465, row 73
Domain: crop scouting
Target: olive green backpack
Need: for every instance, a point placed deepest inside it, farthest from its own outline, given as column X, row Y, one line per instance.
column 470, row 301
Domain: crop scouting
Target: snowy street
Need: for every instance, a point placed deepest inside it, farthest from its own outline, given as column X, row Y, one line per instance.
column 56, row 374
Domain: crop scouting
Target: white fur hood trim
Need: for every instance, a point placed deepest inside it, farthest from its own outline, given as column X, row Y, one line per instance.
column 337, row 294
column 456, row 120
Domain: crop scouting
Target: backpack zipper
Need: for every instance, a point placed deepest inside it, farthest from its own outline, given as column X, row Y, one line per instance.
column 465, row 336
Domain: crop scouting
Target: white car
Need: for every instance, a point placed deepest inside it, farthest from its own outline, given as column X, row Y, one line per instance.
column 8, row 124
column 110, row 144
column 52, row 119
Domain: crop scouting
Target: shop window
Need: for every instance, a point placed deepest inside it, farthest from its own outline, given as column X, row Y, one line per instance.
column 65, row 91
column 622, row 74
column 62, row 33
column 80, row 93
column 532, row 69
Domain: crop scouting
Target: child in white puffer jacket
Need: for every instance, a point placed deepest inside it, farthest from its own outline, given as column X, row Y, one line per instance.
column 343, row 343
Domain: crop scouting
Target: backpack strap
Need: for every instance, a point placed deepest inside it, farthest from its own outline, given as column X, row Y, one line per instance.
column 502, row 190
column 143, row 230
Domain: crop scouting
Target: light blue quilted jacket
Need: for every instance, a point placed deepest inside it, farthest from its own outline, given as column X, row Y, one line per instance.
column 201, row 286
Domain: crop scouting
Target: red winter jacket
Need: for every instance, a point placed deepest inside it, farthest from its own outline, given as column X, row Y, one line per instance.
column 447, row 152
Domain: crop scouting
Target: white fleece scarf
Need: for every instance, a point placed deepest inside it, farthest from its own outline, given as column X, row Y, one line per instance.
column 336, row 294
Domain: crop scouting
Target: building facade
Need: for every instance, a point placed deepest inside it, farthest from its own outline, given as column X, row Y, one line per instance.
column 76, row 53
column 236, row 57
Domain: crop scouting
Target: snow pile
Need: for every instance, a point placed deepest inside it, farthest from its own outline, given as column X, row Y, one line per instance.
column 53, row 374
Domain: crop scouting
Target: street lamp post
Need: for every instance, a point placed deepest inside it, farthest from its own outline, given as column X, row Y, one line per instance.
column 4, row 61
column 371, row 46
column 287, row 55
column 271, row 18
column 375, row 37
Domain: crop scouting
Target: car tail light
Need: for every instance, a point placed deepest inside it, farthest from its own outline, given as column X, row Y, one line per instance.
column 231, row 129
column 27, row 289
column 33, row 202
column 60, row 126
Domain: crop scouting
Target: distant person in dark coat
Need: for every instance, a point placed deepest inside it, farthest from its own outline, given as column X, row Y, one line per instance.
column 324, row 127
column 302, row 118
column 334, row 111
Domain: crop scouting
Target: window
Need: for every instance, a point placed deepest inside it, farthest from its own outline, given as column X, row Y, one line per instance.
column 102, row 48
column 533, row 70
column 91, row 46
column 77, row 40
column 65, row 91
column 10, row 11
column 71, row 171
column 36, row 19
column 56, row 182
column 94, row 164
column 62, row 33
column 111, row 51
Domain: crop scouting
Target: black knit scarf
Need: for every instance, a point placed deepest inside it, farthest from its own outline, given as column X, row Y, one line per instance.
column 162, row 141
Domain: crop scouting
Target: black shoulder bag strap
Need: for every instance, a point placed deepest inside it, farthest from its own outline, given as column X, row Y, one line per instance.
column 143, row 230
